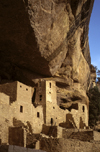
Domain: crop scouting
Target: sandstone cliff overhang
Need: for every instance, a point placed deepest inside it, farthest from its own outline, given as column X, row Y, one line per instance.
column 43, row 38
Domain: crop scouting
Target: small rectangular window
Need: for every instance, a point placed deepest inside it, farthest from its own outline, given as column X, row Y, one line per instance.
column 26, row 89
column 40, row 97
column 50, row 85
column 21, row 108
column 83, row 108
column 38, row 114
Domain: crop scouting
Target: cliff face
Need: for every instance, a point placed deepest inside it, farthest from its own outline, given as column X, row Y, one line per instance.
column 92, row 77
column 44, row 38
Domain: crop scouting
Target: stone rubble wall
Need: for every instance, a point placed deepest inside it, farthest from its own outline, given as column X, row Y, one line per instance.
column 68, row 145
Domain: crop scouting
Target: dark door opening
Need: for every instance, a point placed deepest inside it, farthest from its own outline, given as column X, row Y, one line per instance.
column 83, row 108
column 51, row 121
column 33, row 97
column 38, row 114
column 50, row 85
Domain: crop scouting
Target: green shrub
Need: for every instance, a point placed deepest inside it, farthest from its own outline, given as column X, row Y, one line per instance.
column 94, row 105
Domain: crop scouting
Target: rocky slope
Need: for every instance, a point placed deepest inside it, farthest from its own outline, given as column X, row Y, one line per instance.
column 46, row 38
column 69, row 145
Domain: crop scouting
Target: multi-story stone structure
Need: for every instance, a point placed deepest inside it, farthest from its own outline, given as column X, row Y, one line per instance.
column 34, row 107
column 52, row 113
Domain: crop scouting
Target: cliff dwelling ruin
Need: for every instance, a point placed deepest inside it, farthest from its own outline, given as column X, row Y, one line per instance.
column 35, row 107
column 45, row 72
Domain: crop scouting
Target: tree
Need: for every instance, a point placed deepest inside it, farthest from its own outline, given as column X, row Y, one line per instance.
column 97, row 72
column 94, row 106
column 98, row 75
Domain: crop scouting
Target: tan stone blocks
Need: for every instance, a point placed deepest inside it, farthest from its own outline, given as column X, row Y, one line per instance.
column 45, row 112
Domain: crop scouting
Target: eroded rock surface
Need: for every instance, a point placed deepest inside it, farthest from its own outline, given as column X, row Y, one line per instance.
column 92, row 77
column 45, row 38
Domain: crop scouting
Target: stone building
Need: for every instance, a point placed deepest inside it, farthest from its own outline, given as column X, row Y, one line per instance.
column 16, row 104
column 21, row 104
column 45, row 95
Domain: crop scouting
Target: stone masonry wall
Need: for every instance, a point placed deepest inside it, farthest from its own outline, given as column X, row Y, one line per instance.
column 47, row 112
column 11, row 148
column 54, row 115
column 5, row 118
column 29, row 113
column 40, row 98
column 4, row 99
column 9, row 89
column 82, row 112
column 16, row 136
column 22, row 110
column 23, row 93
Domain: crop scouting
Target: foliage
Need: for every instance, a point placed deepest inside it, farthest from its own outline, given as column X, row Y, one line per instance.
column 94, row 106
column 98, row 73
